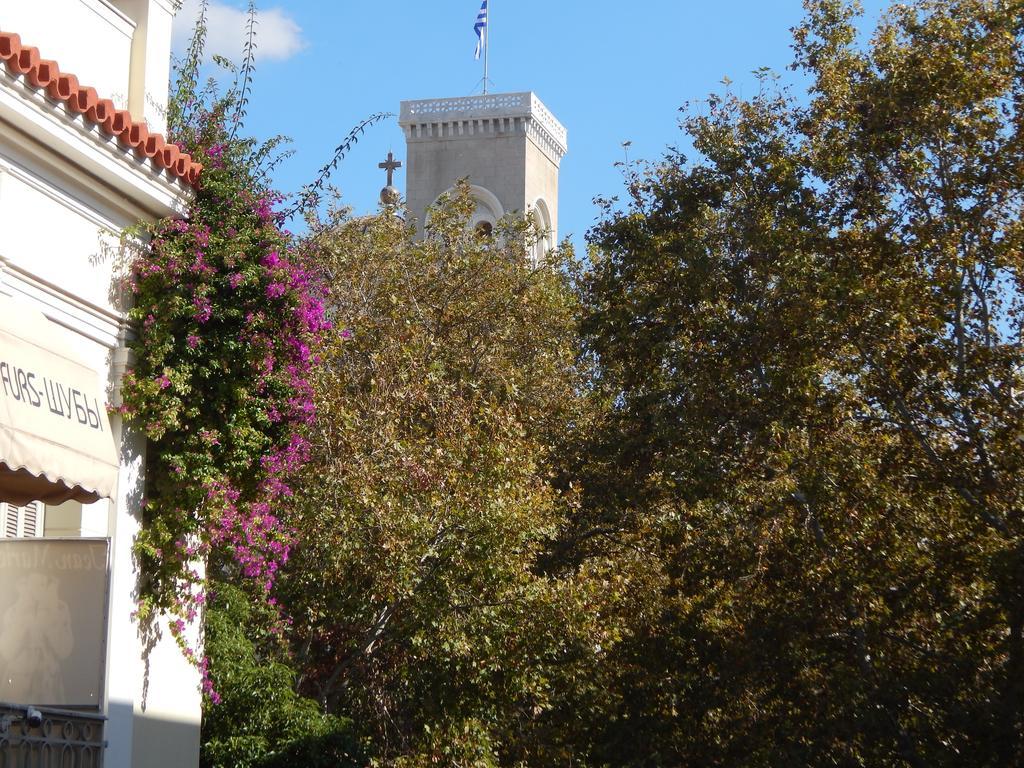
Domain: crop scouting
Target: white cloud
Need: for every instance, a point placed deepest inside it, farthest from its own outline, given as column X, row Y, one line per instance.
column 278, row 37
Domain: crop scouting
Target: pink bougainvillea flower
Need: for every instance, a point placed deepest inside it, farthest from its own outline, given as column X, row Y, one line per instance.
column 247, row 364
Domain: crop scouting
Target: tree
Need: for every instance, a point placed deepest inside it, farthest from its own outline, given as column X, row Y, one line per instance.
column 260, row 722
column 418, row 610
column 225, row 311
column 808, row 344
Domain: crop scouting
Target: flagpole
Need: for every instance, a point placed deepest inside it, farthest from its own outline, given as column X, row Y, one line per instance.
column 483, row 39
column 487, row 46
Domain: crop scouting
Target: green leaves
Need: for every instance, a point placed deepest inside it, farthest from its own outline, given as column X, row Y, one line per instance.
column 803, row 339
column 260, row 721
column 449, row 376
column 767, row 513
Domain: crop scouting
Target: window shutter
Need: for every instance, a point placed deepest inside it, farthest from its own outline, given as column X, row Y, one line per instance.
column 26, row 521
column 10, row 520
column 32, row 519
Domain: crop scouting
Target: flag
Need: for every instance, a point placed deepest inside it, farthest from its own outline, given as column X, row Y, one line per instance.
column 481, row 29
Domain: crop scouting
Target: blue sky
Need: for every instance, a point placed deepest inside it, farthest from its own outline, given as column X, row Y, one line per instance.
column 611, row 71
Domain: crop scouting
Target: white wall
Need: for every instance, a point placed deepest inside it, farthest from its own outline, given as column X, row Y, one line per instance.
column 122, row 48
column 93, row 40
column 66, row 193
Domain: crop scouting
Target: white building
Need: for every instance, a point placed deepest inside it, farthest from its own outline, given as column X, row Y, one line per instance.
column 83, row 89
column 508, row 145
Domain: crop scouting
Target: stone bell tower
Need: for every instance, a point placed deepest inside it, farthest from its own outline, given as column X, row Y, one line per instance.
column 508, row 145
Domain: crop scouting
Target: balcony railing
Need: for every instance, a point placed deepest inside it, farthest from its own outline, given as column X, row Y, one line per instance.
column 42, row 737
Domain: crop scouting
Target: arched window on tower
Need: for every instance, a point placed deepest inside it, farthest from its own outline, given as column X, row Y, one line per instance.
column 541, row 219
column 488, row 209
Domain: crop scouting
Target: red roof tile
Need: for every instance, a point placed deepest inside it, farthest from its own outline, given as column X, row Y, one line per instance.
column 64, row 87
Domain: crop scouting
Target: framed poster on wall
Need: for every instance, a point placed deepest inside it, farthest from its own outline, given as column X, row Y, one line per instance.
column 53, row 621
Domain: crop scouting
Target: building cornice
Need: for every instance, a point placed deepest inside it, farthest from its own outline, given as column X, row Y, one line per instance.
column 64, row 307
column 56, row 131
column 491, row 115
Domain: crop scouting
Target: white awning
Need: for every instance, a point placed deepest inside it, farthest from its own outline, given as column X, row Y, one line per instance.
column 55, row 439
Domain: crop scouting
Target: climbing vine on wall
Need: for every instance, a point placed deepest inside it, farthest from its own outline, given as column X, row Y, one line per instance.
column 227, row 310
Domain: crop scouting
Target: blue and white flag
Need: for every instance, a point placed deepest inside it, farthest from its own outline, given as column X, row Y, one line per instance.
column 481, row 29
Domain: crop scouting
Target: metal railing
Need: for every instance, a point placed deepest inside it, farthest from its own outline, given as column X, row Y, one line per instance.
column 43, row 737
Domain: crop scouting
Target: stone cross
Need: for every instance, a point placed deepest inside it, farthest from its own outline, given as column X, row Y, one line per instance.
column 390, row 165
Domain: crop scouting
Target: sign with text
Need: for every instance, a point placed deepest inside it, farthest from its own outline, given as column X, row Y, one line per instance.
column 55, row 438
column 53, row 619
column 62, row 400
